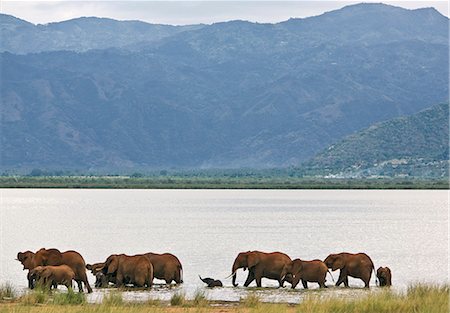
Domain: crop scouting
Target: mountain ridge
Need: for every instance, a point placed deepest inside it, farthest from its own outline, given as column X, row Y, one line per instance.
column 226, row 95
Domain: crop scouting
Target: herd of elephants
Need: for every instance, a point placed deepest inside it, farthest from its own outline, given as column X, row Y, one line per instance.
column 51, row 267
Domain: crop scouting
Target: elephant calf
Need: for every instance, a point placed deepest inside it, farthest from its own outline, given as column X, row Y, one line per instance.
column 211, row 282
column 48, row 276
column 102, row 280
column 308, row 271
column 384, row 276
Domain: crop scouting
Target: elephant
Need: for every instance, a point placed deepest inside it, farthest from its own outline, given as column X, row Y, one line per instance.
column 101, row 279
column 308, row 271
column 136, row 270
column 354, row 265
column 261, row 264
column 54, row 257
column 94, row 268
column 166, row 266
column 49, row 276
column 27, row 260
column 384, row 276
column 211, row 282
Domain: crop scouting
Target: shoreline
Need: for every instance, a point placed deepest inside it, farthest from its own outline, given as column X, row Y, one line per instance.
column 176, row 182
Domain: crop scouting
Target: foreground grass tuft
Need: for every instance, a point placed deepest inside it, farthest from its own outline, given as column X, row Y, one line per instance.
column 200, row 299
column 178, row 299
column 430, row 299
column 252, row 300
column 7, row 292
column 39, row 295
column 70, row 297
column 113, row 298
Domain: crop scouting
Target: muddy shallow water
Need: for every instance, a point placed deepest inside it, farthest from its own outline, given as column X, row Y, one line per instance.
column 405, row 230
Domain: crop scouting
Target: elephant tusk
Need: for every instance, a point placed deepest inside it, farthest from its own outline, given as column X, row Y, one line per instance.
column 231, row 274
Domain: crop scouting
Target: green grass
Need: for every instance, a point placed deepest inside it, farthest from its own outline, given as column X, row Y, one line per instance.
column 69, row 297
column 113, row 298
column 7, row 292
column 417, row 299
column 39, row 295
column 252, row 300
column 178, row 299
column 200, row 298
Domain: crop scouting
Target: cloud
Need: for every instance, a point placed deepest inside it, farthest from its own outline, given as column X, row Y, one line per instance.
column 186, row 12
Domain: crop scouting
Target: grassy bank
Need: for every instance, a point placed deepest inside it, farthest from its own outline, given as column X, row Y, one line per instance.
column 429, row 299
column 186, row 182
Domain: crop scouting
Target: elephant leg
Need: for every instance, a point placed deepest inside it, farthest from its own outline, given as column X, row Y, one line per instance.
column 346, row 282
column 342, row 277
column 86, row 282
column 305, row 284
column 119, row 280
column 250, row 278
column 366, row 281
column 258, row 281
column 281, row 283
column 80, row 285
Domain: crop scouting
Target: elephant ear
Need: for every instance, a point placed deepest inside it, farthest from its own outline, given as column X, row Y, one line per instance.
column 252, row 259
column 45, row 273
column 113, row 265
column 296, row 267
column 339, row 263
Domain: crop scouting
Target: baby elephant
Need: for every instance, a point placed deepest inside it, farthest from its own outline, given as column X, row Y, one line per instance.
column 211, row 282
column 313, row 271
column 102, row 280
column 384, row 276
column 49, row 276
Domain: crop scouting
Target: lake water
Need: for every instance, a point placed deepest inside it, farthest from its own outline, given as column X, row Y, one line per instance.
column 206, row 229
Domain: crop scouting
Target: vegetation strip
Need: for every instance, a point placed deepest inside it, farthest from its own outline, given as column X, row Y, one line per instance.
column 179, row 182
column 418, row 298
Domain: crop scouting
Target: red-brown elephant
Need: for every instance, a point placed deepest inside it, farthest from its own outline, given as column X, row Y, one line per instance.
column 357, row 265
column 384, row 276
column 166, row 266
column 54, row 257
column 313, row 271
column 261, row 264
column 136, row 270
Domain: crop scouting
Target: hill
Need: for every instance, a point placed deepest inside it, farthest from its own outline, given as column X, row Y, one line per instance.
column 416, row 145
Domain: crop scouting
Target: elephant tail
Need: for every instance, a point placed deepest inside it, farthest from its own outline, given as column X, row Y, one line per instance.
column 180, row 273
column 332, row 278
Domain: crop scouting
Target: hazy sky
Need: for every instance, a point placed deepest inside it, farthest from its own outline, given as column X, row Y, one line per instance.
column 186, row 12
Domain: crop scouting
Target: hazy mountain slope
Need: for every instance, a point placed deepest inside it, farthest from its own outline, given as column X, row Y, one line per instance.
column 80, row 34
column 227, row 95
column 423, row 136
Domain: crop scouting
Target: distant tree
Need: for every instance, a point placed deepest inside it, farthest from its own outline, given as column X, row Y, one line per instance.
column 137, row 175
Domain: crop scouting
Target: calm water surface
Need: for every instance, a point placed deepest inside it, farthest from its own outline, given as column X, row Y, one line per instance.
column 206, row 229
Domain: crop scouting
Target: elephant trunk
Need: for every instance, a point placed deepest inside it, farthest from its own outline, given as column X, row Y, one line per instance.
column 233, row 271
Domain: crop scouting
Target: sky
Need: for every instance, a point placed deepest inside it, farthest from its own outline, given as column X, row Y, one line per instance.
column 186, row 12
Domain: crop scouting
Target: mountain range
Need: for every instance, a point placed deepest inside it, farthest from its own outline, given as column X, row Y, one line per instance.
column 102, row 94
